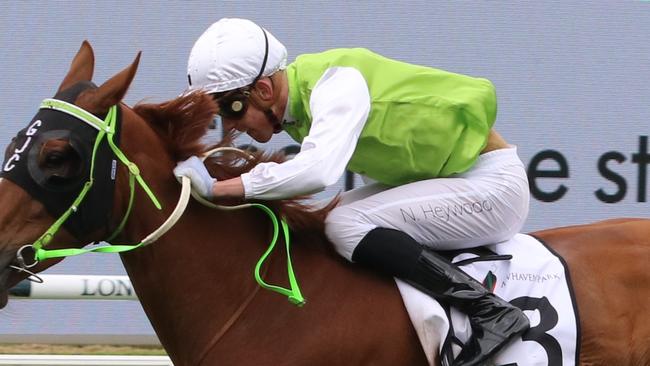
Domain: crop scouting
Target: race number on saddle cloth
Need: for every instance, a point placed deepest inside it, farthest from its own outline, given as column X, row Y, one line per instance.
column 535, row 280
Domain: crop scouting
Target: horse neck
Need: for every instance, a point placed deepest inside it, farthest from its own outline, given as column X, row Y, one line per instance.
column 192, row 281
column 201, row 266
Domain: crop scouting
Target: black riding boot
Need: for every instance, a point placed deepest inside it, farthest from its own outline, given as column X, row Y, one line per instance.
column 494, row 321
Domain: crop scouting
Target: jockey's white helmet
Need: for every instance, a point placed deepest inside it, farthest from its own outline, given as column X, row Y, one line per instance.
column 231, row 53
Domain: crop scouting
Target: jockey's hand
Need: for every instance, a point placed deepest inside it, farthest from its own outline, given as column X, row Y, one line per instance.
column 201, row 179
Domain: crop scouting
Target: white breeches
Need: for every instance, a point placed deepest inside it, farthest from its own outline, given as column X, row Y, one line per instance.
column 485, row 205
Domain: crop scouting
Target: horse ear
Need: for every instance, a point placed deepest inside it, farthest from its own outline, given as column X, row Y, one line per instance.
column 81, row 68
column 110, row 93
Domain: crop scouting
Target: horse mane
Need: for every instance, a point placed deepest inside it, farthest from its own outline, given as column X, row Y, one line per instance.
column 183, row 122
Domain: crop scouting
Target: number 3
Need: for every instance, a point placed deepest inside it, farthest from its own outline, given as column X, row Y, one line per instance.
column 548, row 319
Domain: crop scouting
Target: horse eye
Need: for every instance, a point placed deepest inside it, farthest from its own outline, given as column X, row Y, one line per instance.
column 54, row 159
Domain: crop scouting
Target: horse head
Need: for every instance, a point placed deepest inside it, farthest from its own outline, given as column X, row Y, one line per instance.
column 54, row 161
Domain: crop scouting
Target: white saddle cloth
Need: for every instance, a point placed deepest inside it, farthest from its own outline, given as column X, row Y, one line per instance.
column 535, row 279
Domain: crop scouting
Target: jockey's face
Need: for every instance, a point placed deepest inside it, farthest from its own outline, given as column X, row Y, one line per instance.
column 254, row 123
column 264, row 97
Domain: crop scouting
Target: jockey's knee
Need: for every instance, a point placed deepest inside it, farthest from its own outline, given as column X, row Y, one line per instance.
column 345, row 227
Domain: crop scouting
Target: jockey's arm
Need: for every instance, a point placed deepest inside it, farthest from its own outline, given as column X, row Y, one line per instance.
column 230, row 188
column 340, row 104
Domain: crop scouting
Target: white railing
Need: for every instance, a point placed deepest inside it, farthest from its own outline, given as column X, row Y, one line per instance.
column 55, row 360
column 76, row 287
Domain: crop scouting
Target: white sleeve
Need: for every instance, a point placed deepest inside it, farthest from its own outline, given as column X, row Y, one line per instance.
column 340, row 104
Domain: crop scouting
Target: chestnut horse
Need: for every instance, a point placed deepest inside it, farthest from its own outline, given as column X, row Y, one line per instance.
column 195, row 283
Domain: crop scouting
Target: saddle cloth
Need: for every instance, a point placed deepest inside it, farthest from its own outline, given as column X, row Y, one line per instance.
column 535, row 279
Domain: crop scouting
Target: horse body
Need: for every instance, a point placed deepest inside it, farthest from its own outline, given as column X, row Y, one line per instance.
column 196, row 284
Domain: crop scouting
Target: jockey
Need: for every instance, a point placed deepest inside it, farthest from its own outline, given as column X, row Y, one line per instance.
column 441, row 177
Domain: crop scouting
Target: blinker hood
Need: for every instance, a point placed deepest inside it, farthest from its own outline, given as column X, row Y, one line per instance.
column 57, row 190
